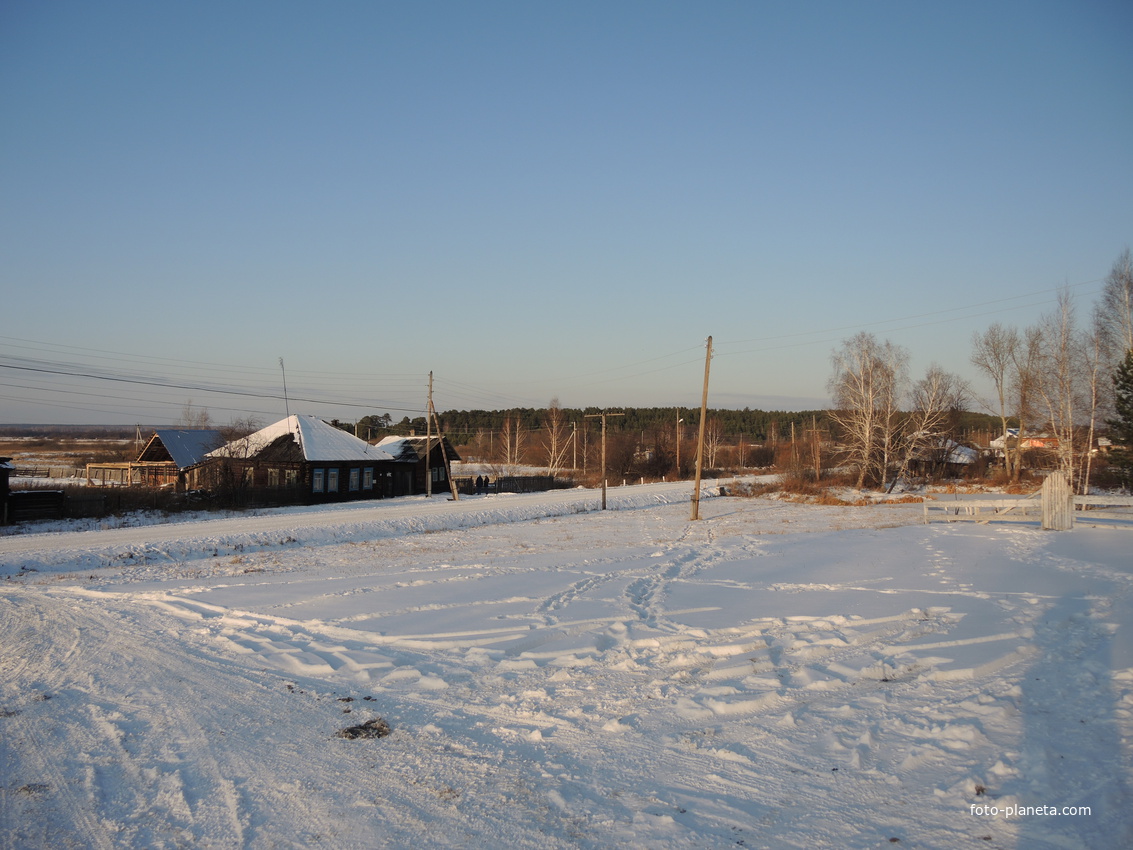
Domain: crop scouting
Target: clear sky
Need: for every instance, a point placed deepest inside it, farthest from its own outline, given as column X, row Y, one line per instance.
column 537, row 199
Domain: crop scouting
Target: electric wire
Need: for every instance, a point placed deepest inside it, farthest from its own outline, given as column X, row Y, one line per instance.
column 391, row 392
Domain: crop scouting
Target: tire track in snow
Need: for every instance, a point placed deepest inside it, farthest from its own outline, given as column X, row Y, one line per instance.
column 130, row 751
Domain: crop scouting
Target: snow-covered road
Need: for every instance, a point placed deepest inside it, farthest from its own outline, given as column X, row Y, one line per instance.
column 376, row 518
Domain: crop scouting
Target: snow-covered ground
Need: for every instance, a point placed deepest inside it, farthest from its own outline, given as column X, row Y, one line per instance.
column 774, row 675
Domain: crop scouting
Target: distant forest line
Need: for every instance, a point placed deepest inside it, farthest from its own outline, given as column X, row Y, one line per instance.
column 755, row 426
column 461, row 426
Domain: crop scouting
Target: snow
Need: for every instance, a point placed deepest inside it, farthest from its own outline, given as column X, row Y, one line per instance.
column 319, row 441
column 774, row 675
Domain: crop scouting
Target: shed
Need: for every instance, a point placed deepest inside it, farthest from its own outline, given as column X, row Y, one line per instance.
column 164, row 460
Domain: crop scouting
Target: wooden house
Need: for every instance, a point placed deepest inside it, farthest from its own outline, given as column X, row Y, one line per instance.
column 943, row 457
column 301, row 459
column 423, row 468
column 5, row 471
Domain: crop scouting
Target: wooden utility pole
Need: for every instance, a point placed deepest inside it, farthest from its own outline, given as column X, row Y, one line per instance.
column 679, row 421
column 430, row 417
column 429, row 440
column 817, row 448
column 286, row 405
column 603, row 418
column 700, row 440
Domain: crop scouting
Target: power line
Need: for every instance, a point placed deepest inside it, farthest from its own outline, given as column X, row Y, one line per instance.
column 167, row 384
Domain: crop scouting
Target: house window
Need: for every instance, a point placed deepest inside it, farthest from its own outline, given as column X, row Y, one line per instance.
column 355, row 477
column 317, row 480
column 249, row 475
column 332, row 480
column 273, row 477
column 368, row 478
column 291, row 477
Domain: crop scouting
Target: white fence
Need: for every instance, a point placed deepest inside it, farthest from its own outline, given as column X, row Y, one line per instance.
column 1086, row 508
column 964, row 507
column 1054, row 505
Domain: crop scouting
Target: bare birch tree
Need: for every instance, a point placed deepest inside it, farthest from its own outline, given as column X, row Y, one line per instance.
column 993, row 353
column 936, row 399
column 1060, row 382
column 866, row 387
column 511, row 444
column 713, row 440
column 1026, row 374
column 1117, row 307
column 1099, row 389
column 557, row 441
column 193, row 417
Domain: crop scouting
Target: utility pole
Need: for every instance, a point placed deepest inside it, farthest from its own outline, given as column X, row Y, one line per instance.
column 286, row 405
column 429, row 439
column 444, row 455
column 430, row 417
column 816, row 445
column 679, row 421
column 700, row 440
column 603, row 418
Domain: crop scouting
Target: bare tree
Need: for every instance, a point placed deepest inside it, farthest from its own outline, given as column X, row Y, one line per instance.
column 1070, row 384
column 993, row 353
column 713, row 439
column 557, row 442
column 1059, row 381
column 1027, row 364
column 936, row 399
column 1117, row 307
column 193, row 417
column 866, row 387
column 481, row 443
column 1099, row 389
column 511, row 444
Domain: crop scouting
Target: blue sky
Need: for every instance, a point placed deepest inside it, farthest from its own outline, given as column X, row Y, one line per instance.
column 536, row 200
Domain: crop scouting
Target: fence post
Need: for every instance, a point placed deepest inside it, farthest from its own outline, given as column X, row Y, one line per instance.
column 1058, row 503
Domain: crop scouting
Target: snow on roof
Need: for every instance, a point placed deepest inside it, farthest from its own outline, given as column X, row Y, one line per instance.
column 953, row 452
column 401, row 448
column 961, row 454
column 413, row 448
column 189, row 447
column 319, row 441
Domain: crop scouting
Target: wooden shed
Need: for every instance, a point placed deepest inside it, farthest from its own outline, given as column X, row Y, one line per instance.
column 163, row 462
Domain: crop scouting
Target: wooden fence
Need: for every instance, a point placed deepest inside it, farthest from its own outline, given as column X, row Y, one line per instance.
column 979, row 508
column 1094, row 507
column 1055, row 505
column 46, row 472
column 508, row 484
